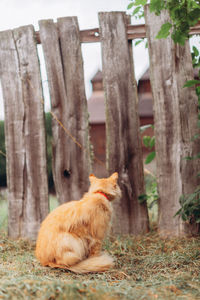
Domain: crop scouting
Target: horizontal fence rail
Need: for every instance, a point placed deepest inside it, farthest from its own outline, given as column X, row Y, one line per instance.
column 133, row 32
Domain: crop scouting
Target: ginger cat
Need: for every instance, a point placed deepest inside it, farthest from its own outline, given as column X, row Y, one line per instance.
column 71, row 236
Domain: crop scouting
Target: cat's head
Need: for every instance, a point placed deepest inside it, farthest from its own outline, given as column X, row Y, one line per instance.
column 108, row 186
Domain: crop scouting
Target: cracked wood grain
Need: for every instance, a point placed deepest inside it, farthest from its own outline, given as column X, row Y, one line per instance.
column 175, row 117
column 25, row 134
column 124, row 152
column 63, row 58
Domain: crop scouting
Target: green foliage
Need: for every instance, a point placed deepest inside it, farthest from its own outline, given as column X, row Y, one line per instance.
column 149, row 142
column 156, row 6
column 150, row 157
column 190, row 207
column 137, row 7
column 191, row 83
column 142, row 198
column 139, row 41
column 3, row 211
column 183, row 14
column 53, row 203
column 196, row 64
column 164, row 31
column 151, row 199
column 190, row 204
column 152, row 194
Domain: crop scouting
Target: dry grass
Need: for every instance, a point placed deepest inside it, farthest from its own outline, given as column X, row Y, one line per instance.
column 146, row 268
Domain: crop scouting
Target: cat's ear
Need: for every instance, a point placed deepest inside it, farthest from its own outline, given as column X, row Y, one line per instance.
column 114, row 176
column 91, row 177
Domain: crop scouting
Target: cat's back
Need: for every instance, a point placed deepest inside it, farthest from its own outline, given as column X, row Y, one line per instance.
column 59, row 214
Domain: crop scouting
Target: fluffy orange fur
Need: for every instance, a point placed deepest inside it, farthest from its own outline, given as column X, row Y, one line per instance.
column 71, row 236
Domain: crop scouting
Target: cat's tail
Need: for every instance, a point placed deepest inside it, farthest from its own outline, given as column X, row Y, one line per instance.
column 93, row 264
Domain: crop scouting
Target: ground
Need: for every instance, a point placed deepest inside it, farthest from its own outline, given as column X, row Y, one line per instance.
column 145, row 268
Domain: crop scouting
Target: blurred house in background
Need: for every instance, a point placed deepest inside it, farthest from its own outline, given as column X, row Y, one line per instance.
column 96, row 108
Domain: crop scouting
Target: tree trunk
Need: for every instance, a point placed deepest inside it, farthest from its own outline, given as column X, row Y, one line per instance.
column 71, row 153
column 24, row 132
column 124, row 152
column 175, row 115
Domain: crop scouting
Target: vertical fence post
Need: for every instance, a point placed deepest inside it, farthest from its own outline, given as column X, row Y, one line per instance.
column 124, row 152
column 71, row 160
column 175, row 115
column 24, row 132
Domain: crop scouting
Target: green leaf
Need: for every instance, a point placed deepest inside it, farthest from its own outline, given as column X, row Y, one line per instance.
column 150, row 157
column 194, row 15
column 198, row 90
column 179, row 37
column 191, row 83
column 177, row 213
column 164, row 31
column 184, row 217
column 136, row 10
column 195, row 137
column 130, row 5
column 140, row 2
column 195, row 51
column 142, row 198
column 188, row 158
column 138, row 42
column 152, row 142
column 156, row 6
column 146, row 140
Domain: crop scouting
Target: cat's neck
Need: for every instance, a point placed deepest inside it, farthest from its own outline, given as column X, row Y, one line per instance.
column 103, row 194
column 109, row 197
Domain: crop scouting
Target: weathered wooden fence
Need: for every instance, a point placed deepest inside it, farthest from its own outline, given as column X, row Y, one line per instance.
column 176, row 117
column 62, row 51
column 175, row 120
column 24, row 131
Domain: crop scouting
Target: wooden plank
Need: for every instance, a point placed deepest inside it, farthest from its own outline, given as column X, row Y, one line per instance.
column 175, row 116
column 25, row 134
column 133, row 32
column 78, row 159
column 50, row 44
column 71, row 160
column 136, row 31
column 124, row 152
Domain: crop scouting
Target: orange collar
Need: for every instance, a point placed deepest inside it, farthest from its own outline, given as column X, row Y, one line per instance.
column 103, row 195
